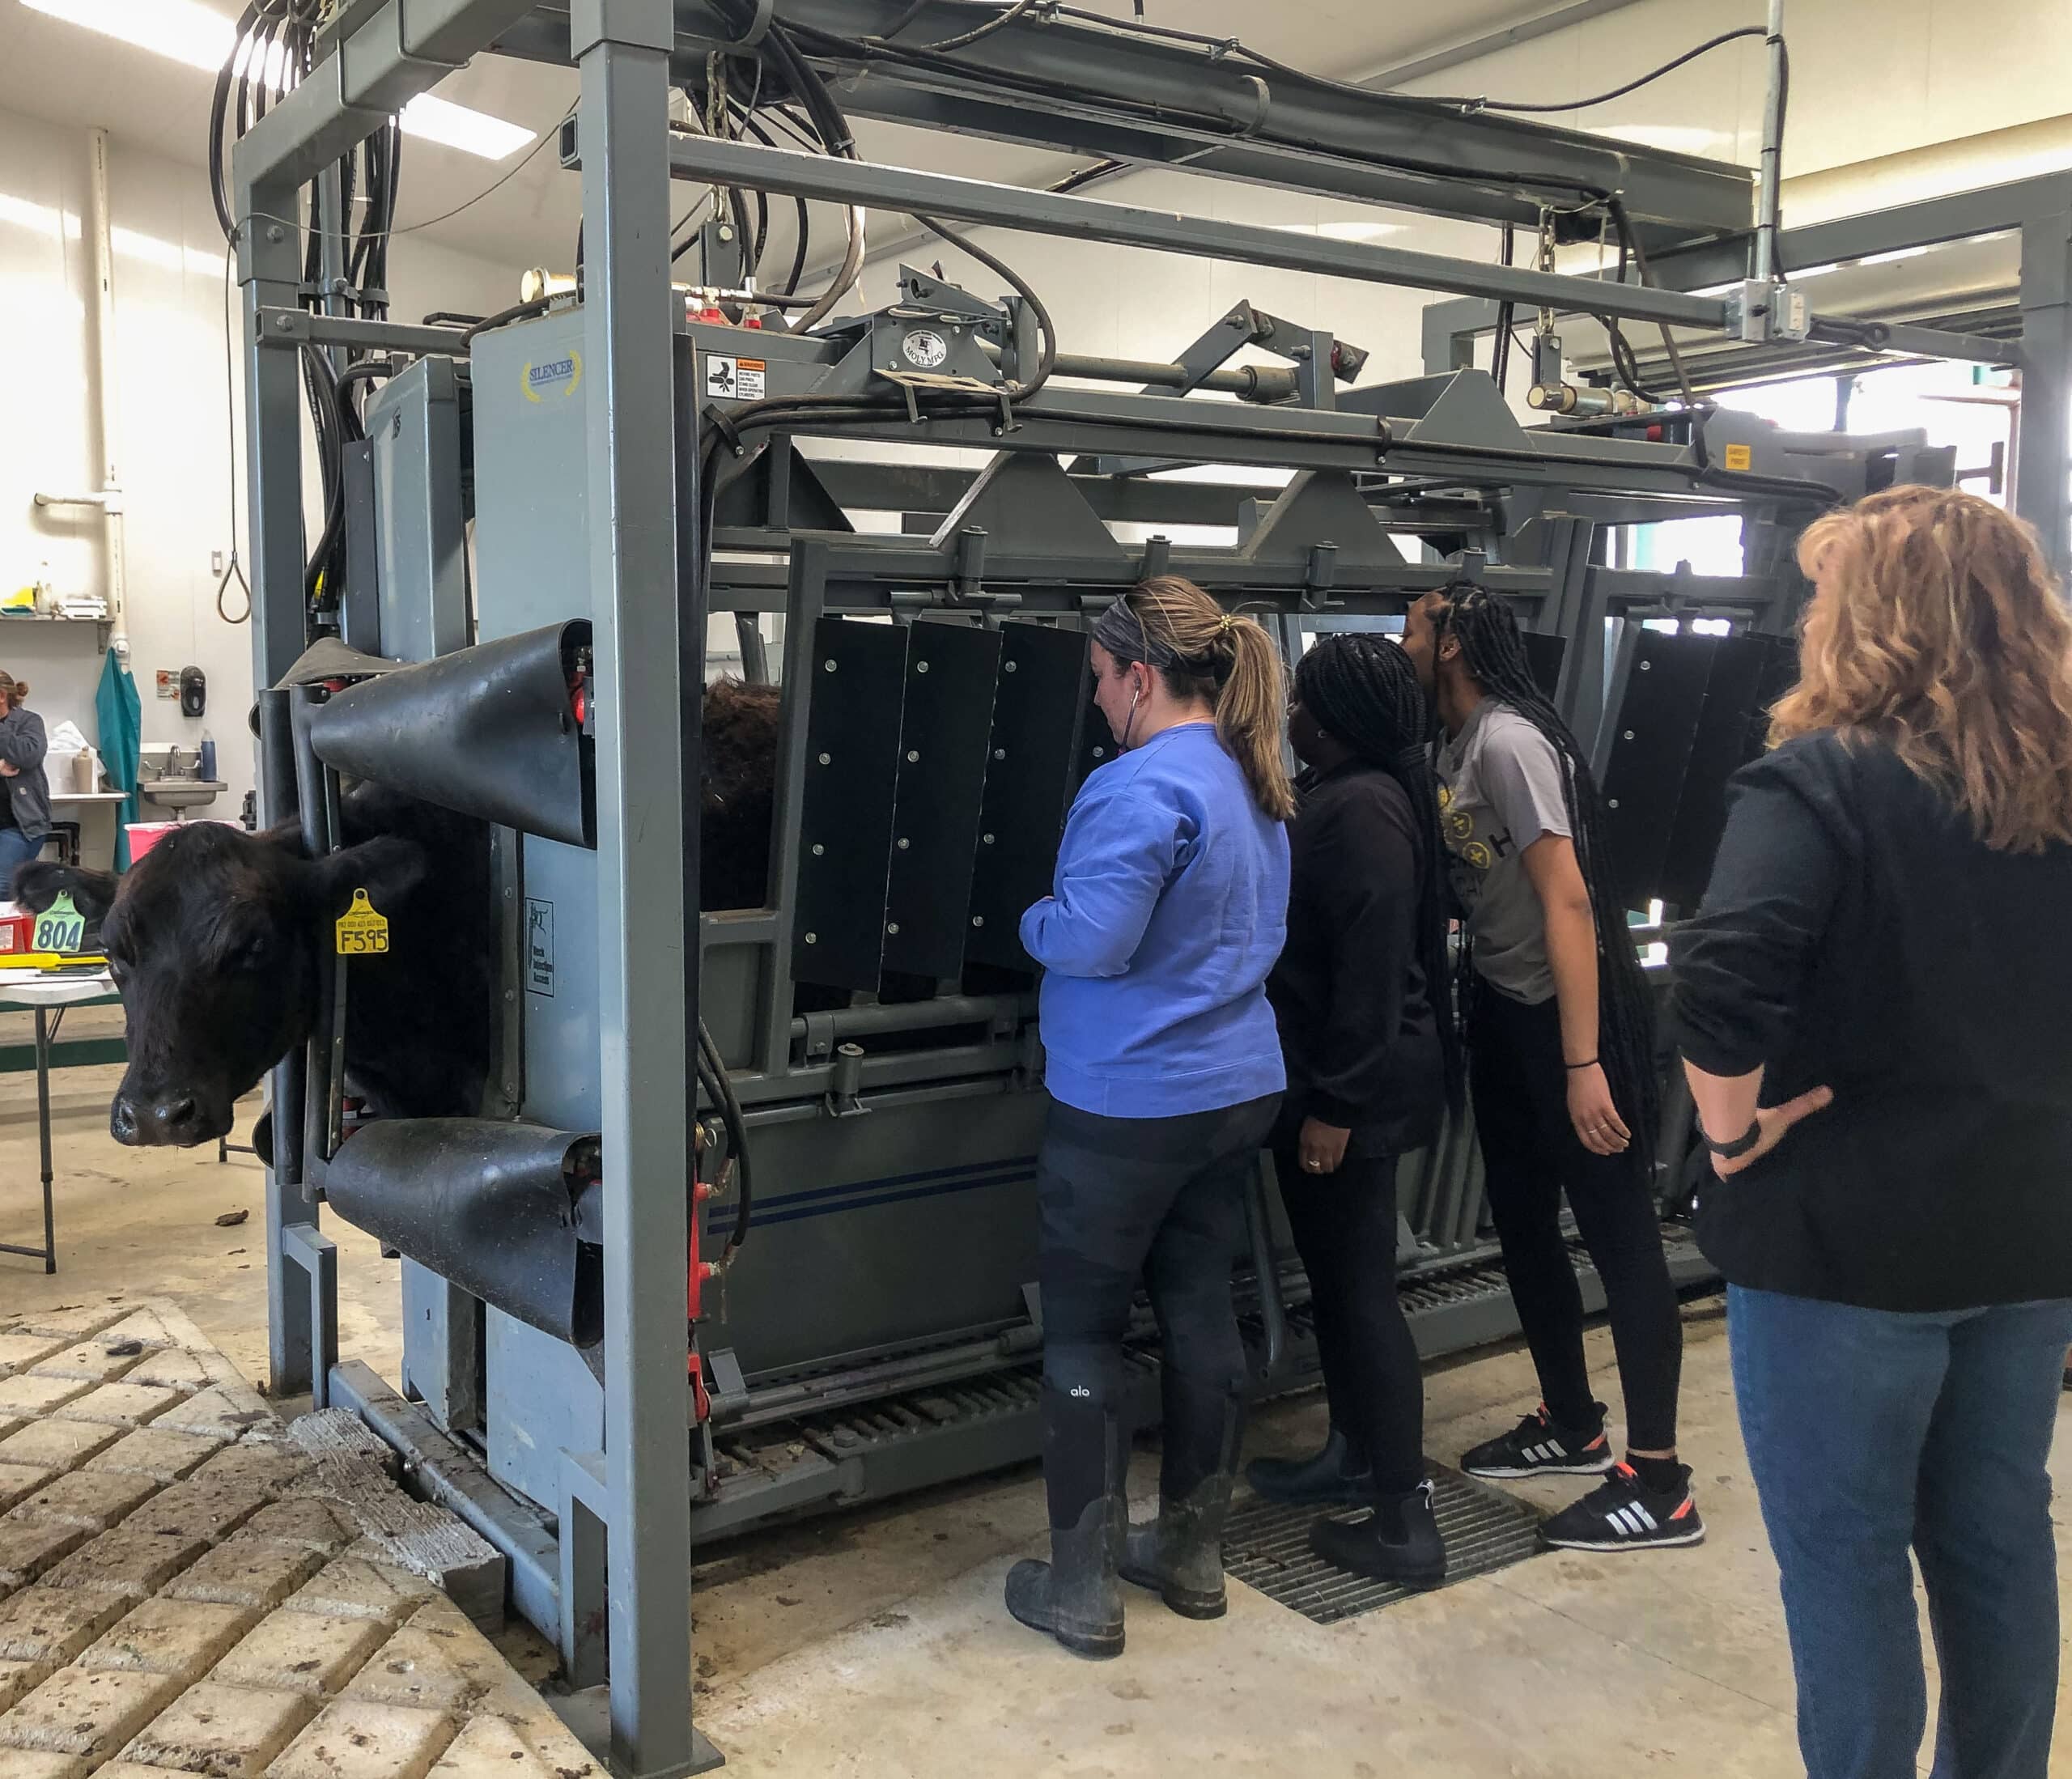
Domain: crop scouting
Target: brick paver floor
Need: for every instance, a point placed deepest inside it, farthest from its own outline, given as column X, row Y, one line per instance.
column 183, row 1590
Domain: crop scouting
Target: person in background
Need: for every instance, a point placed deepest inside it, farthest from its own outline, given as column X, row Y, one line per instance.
column 25, row 808
column 1370, row 1065
column 1165, row 1074
column 1560, row 1041
column 1881, row 955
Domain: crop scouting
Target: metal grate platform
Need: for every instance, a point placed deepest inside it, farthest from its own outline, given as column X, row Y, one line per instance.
column 1266, row 1546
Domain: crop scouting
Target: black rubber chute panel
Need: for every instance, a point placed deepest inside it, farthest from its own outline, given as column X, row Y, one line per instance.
column 487, row 732
column 489, row 1205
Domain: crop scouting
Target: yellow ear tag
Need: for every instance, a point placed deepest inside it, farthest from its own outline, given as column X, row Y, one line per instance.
column 363, row 931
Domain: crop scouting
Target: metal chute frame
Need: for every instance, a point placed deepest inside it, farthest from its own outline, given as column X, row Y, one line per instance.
column 624, row 1510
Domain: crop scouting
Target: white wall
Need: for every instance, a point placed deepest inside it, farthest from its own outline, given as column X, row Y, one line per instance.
column 174, row 452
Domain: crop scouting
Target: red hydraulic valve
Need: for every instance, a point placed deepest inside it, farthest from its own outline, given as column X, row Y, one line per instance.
column 698, row 1272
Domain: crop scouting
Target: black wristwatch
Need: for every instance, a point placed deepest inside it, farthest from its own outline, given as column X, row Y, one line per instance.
column 1740, row 1146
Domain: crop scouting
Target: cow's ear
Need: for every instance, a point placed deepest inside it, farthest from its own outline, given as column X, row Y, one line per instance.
column 39, row 883
column 287, row 836
column 386, row 868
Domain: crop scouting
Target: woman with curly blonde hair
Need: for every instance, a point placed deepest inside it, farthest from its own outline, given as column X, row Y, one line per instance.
column 1872, row 1006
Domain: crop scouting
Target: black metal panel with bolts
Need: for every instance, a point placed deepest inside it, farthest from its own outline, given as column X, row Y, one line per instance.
column 1661, row 691
column 945, row 742
column 1730, row 734
column 852, row 749
column 1039, row 714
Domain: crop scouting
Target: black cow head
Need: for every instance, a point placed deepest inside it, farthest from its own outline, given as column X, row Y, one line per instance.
column 214, row 937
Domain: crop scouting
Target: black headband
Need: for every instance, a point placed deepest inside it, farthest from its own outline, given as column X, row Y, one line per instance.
column 1122, row 630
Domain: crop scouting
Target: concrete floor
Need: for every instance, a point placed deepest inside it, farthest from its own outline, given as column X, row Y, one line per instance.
column 875, row 1644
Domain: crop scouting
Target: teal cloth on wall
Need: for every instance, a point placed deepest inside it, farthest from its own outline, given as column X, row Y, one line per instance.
column 119, row 714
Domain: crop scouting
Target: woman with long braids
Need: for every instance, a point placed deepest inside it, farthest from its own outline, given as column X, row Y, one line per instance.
column 1370, row 1063
column 1560, row 1044
column 1165, row 1074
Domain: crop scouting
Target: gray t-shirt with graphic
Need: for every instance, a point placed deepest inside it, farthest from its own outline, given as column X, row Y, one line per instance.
column 1500, row 790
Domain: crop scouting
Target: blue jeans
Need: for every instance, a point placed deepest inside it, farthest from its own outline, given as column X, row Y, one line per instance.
column 1871, row 1433
column 16, row 849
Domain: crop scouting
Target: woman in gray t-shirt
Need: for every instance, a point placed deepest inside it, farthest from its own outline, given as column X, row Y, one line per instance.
column 1561, row 1070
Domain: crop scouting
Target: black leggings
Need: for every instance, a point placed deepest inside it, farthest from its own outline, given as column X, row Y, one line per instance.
column 1344, row 1228
column 1164, row 1197
column 1530, row 1152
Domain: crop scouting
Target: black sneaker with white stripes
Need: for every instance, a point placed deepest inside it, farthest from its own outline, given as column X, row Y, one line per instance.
column 1537, row 1447
column 1622, row 1514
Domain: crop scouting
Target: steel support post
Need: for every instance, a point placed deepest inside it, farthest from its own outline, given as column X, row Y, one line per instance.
column 270, row 269
column 334, row 227
column 647, row 976
column 2043, row 433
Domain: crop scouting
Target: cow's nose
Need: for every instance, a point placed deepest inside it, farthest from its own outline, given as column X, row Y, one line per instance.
column 174, row 1117
column 122, row 1121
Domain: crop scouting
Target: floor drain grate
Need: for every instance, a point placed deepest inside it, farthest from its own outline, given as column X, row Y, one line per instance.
column 1266, row 1546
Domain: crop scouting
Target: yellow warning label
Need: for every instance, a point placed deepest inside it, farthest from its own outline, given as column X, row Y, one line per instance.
column 1739, row 457
column 362, row 931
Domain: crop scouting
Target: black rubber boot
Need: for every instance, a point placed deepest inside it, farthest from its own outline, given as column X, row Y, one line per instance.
column 1333, row 1474
column 1180, row 1553
column 1075, row 1596
column 1399, row 1542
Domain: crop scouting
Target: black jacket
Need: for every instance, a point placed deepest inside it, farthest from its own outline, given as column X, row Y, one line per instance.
column 22, row 745
column 1857, row 934
column 1356, row 1025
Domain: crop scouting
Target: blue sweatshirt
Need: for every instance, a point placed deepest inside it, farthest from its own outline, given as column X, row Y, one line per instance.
column 1170, row 905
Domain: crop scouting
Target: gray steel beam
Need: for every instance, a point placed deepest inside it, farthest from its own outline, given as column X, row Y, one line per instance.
column 1200, row 95
column 1914, row 340
column 296, row 327
column 791, row 172
column 404, row 48
column 646, row 979
column 1931, row 223
column 1256, row 163
column 2044, row 425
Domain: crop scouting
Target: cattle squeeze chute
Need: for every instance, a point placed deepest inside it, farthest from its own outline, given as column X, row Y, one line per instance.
column 556, row 526
column 870, row 1002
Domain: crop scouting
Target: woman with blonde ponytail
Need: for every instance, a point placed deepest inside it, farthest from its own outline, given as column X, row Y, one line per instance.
column 1165, row 1071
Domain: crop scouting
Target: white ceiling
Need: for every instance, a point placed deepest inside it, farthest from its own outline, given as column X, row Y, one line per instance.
column 64, row 74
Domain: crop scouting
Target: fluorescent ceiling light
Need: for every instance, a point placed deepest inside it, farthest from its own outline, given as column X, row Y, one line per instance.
column 187, row 31
column 458, row 126
column 1671, row 138
column 1342, row 231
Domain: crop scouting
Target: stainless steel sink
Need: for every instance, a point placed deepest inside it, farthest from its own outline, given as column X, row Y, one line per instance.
column 180, row 793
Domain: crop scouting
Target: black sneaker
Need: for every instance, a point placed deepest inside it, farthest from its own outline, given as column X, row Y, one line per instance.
column 1622, row 1514
column 1536, row 1447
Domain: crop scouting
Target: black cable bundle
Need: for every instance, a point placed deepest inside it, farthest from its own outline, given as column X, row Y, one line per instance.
column 273, row 49
column 1493, row 653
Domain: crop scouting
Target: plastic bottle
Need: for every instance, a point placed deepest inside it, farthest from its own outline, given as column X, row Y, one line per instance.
column 208, row 768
